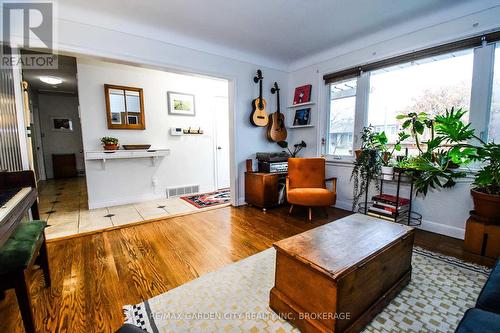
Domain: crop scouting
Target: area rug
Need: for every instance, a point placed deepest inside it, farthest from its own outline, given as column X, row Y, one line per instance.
column 235, row 299
column 209, row 199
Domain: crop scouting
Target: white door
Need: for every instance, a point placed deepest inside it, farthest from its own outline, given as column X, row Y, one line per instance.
column 222, row 142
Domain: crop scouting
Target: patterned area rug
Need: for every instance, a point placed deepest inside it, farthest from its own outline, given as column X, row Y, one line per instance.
column 235, row 299
column 209, row 199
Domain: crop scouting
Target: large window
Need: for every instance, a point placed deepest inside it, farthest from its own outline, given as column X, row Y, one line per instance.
column 494, row 125
column 341, row 118
column 429, row 85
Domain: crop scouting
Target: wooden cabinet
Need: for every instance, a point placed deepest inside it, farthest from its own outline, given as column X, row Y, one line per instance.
column 263, row 189
column 337, row 277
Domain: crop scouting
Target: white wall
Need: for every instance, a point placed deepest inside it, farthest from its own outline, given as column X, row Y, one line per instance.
column 82, row 40
column 57, row 142
column 444, row 211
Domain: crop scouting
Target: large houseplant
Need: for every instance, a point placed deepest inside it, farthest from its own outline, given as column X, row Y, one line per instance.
column 453, row 144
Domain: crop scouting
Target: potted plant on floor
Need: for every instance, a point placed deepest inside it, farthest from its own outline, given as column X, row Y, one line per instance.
column 109, row 143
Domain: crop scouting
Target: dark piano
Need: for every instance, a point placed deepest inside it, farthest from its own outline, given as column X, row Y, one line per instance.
column 18, row 194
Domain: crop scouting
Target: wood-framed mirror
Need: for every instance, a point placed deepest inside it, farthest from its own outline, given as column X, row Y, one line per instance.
column 124, row 107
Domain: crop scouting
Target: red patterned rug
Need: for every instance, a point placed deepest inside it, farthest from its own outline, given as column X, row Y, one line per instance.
column 208, row 199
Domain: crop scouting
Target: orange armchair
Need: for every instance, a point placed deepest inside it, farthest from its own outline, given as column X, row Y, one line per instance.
column 306, row 184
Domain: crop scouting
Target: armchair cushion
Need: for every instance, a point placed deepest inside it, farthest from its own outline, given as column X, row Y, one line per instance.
column 311, row 197
column 306, row 172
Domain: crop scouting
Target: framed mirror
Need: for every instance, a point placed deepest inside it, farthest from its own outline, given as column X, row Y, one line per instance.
column 124, row 107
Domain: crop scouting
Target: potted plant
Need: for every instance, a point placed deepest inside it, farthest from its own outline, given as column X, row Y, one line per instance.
column 486, row 193
column 439, row 155
column 296, row 147
column 368, row 163
column 109, row 143
column 387, row 156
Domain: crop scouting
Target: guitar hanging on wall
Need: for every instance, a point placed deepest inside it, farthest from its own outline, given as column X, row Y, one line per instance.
column 259, row 114
column 276, row 130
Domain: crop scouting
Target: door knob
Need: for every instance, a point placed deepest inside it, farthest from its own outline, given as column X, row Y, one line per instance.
column 219, row 147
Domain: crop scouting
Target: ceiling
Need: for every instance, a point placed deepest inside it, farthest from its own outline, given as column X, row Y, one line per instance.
column 280, row 30
column 66, row 71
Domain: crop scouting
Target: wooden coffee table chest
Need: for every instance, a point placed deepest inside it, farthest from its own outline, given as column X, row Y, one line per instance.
column 337, row 277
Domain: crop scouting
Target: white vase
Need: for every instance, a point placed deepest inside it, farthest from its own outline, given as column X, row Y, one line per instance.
column 387, row 172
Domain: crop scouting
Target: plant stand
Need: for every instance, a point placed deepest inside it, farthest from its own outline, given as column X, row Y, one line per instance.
column 411, row 218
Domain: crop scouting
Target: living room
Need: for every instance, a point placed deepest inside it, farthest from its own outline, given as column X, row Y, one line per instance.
column 315, row 116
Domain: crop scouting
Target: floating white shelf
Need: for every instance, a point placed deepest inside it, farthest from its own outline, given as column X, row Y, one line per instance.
column 299, row 105
column 103, row 155
column 301, row 126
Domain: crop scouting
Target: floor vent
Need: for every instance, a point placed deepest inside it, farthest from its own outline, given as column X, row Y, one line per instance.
column 182, row 190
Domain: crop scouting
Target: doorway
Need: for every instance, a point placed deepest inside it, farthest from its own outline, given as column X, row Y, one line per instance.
column 52, row 110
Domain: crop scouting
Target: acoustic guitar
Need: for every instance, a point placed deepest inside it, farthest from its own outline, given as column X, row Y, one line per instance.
column 276, row 130
column 259, row 114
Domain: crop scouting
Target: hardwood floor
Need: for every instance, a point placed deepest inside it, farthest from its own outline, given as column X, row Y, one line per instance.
column 94, row 276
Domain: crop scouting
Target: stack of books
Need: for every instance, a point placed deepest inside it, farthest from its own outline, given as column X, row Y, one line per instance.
column 384, row 207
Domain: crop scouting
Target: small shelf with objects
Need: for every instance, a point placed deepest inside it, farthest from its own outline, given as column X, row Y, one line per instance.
column 302, row 106
column 105, row 155
column 389, row 205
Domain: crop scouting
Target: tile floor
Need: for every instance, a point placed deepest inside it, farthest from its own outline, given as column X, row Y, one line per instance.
column 63, row 204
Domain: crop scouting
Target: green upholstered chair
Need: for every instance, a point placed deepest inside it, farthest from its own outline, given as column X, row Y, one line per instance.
column 24, row 248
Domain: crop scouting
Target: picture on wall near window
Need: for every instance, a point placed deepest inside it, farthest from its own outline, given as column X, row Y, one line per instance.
column 180, row 104
column 302, row 94
column 62, row 124
column 302, row 117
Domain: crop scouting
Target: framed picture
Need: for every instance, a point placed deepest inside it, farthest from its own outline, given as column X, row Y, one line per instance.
column 180, row 104
column 302, row 94
column 302, row 117
column 62, row 124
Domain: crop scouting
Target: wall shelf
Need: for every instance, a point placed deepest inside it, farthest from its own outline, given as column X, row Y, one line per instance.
column 300, row 105
column 102, row 155
column 301, row 126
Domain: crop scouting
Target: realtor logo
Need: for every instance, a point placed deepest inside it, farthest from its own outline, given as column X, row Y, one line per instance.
column 28, row 26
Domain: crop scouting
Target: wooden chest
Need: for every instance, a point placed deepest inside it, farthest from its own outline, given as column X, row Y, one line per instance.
column 337, row 277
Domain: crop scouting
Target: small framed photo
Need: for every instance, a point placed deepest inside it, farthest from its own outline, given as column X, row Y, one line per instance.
column 62, row 124
column 302, row 117
column 180, row 104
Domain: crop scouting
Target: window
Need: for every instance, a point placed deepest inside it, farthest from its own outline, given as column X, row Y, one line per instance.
column 430, row 85
column 494, row 126
column 341, row 118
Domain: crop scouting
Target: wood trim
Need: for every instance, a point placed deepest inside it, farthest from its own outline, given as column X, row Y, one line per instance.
column 459, row 45
column 142, row 119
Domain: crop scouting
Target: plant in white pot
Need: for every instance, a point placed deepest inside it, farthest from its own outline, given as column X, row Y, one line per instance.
column 387, row 156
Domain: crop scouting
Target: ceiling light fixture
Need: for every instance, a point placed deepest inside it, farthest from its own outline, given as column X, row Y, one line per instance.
column 51, row 79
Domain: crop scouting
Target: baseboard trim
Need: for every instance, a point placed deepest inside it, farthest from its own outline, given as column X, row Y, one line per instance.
column 125, row 200
column 442, row 229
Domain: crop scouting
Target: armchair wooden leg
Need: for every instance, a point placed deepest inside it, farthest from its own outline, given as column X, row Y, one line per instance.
column 310, row 213
column 290, row 210
column 24, row 301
